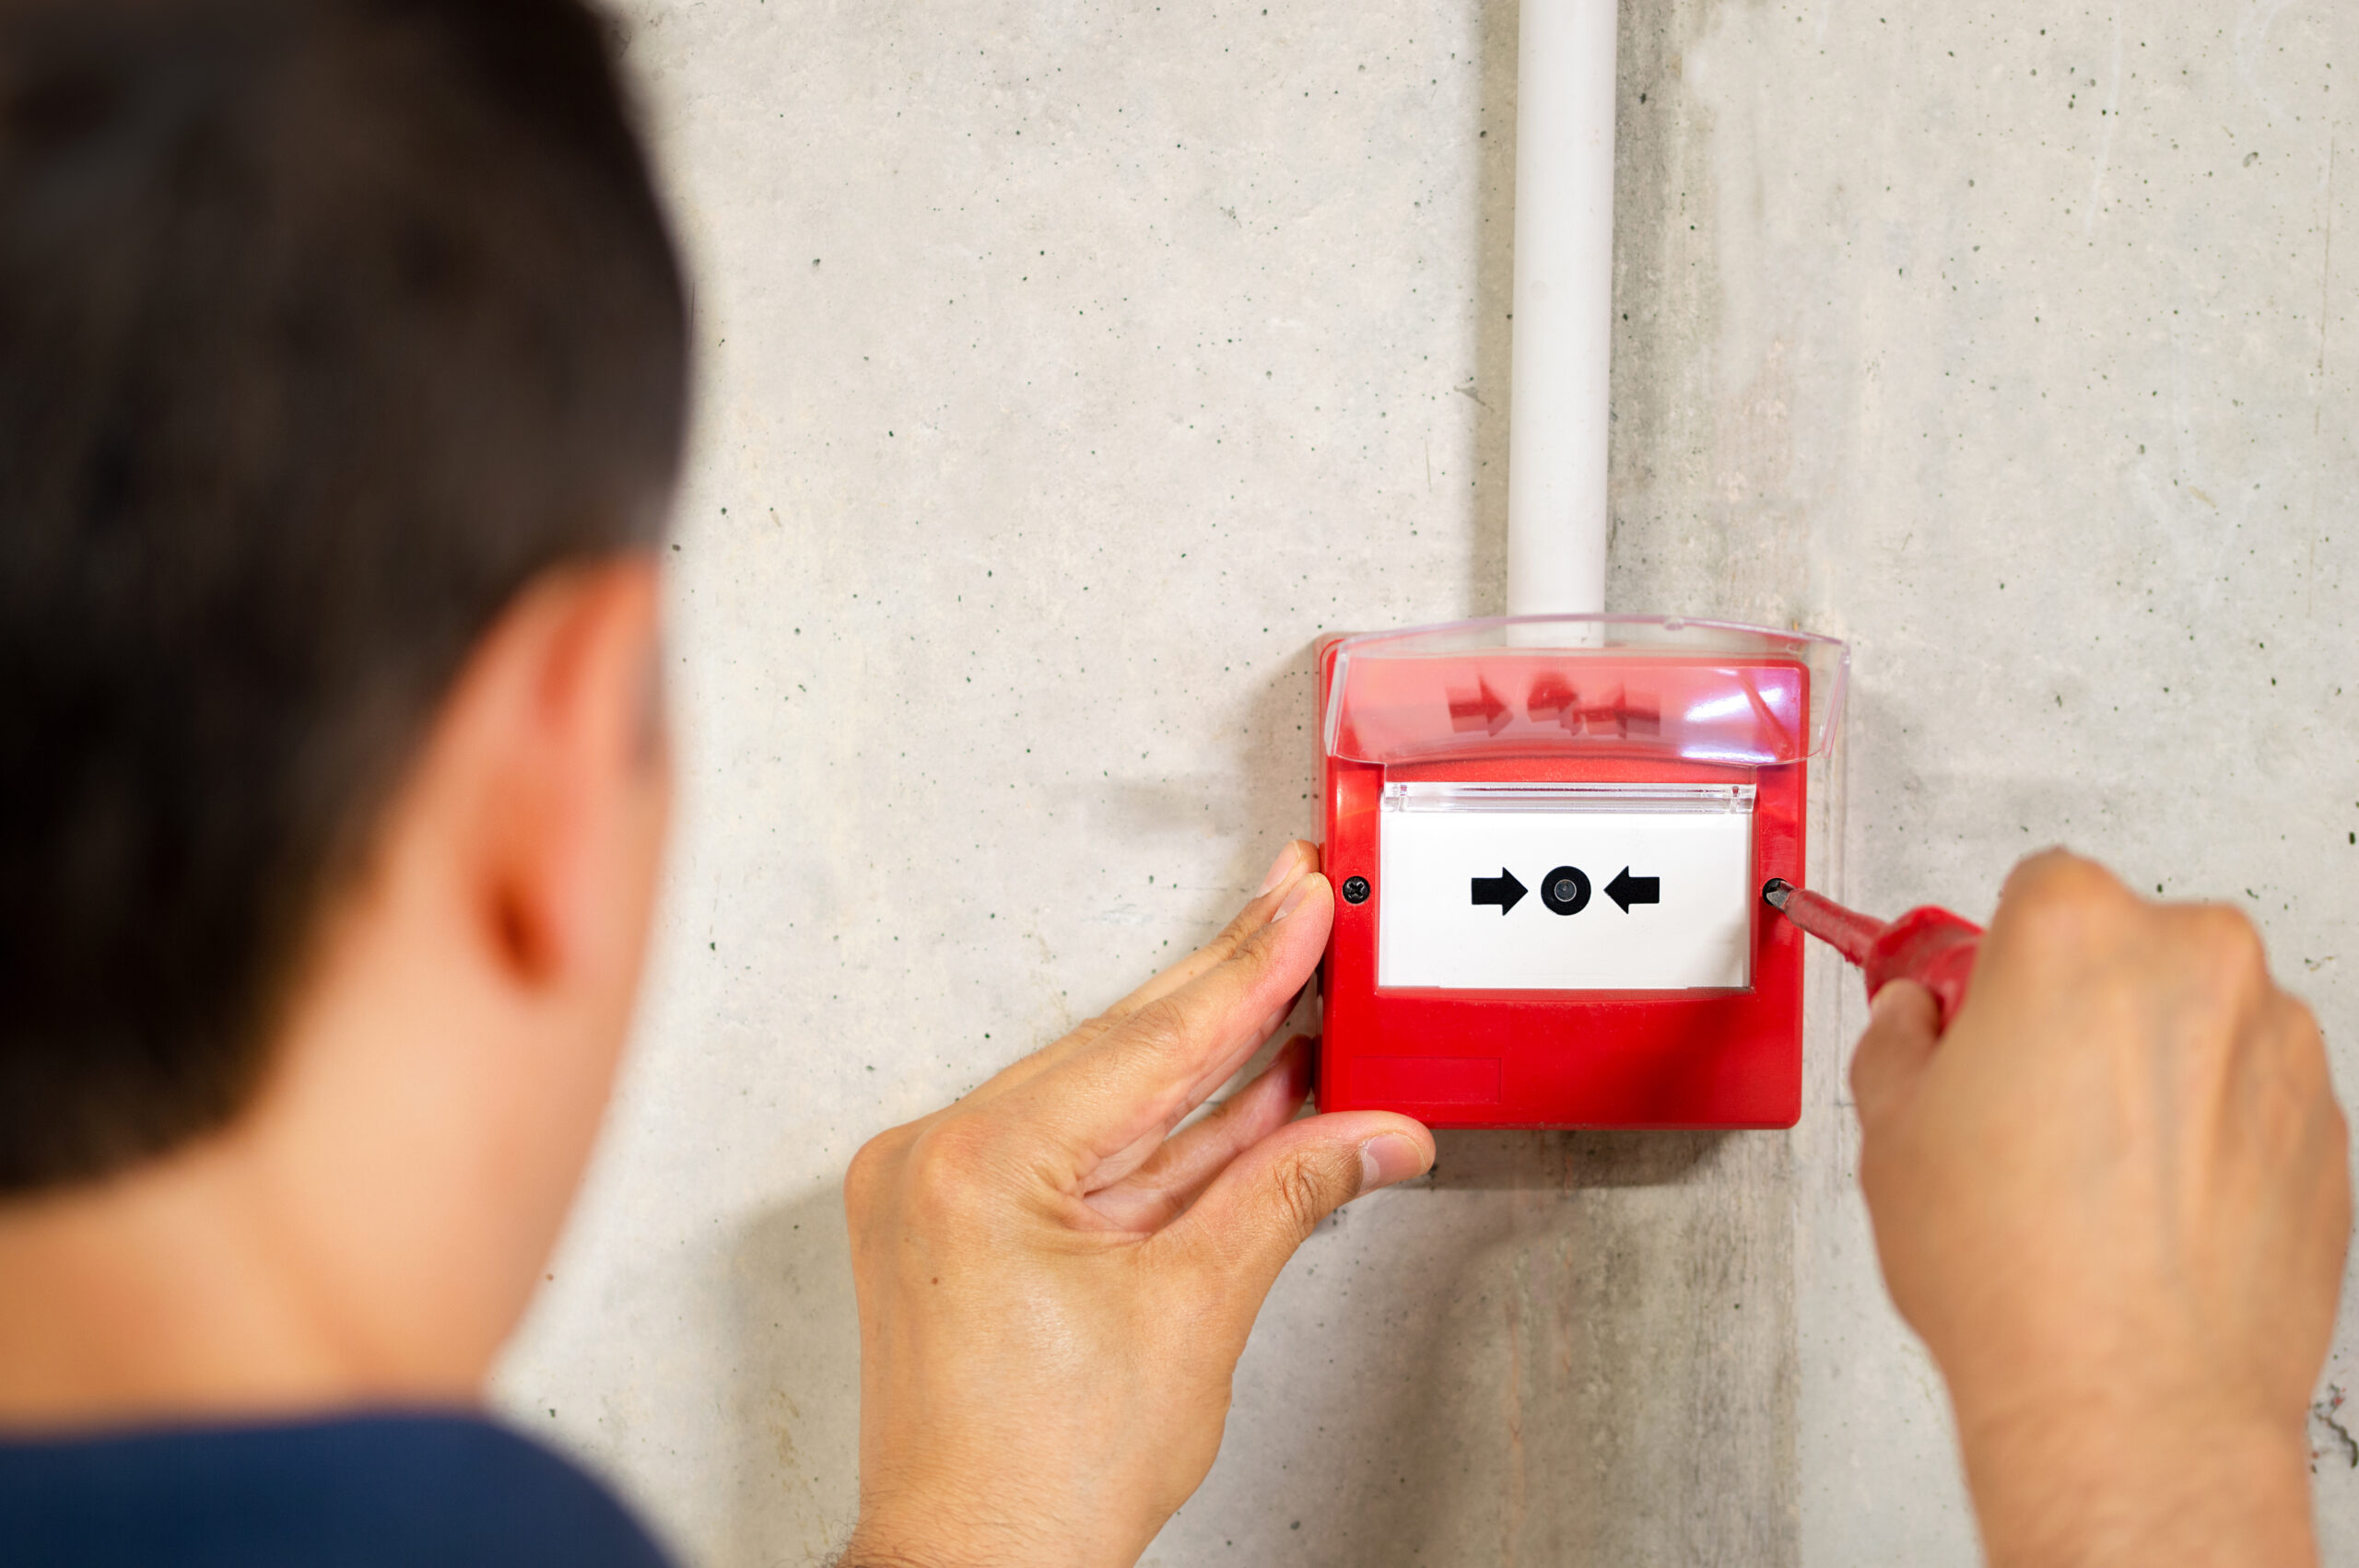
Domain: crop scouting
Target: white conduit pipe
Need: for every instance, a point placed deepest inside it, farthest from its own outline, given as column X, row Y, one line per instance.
column 1563, row 338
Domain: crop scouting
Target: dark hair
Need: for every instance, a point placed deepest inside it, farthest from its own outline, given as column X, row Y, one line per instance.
column 325, row 325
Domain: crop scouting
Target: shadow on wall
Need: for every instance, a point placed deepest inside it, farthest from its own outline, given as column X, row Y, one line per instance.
column 796, row 1396
column 1606, row 1357
column 1563, row 1349
column 1518, row 1162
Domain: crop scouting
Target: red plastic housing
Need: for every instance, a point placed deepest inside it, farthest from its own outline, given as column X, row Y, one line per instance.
column 1536, row 1058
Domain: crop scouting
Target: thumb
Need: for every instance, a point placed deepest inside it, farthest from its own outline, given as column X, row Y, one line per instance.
column 1272, row 1197
column 1902, row 1030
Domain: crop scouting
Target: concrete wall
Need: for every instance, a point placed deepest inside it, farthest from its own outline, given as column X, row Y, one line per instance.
column 1069, row 366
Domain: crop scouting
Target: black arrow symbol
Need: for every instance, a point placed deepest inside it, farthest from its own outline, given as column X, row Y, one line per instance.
column 1626, row 890
column 1502, row 890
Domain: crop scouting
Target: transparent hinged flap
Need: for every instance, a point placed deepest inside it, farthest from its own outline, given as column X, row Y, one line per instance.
column 1625, row 685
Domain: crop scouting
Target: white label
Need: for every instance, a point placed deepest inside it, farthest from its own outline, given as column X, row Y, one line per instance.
column 1565, row 887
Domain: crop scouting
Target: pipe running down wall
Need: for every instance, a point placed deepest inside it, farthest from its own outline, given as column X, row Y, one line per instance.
column 1563, row 307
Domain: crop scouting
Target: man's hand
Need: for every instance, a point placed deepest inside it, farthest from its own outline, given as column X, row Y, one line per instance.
column 1054, row 1289
column 2114, row 1198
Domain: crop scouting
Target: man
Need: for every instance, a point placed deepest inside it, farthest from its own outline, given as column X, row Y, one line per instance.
column 342, row 367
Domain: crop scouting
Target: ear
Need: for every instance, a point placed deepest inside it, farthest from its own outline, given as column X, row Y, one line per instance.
column 446, row 1058
column 550, row 772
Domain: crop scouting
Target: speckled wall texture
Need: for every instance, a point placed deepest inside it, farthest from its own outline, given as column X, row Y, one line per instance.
column 1069, row 366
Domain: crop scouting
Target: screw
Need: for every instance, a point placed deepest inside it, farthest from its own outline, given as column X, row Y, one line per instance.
column 1356, row 890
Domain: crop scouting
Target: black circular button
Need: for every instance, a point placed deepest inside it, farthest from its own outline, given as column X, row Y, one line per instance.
column 1356, row 890
column 1565, row 890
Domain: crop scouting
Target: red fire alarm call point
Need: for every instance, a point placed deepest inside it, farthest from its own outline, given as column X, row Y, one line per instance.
column 1548, row 836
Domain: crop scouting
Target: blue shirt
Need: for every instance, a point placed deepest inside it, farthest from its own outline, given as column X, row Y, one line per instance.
column 362, row 1492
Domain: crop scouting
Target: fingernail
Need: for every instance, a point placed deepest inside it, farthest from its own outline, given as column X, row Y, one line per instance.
column 1288, row 862
column 1389, row 1157
column 1301, row 886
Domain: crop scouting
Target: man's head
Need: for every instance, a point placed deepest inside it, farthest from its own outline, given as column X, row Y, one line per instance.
column 341, row 382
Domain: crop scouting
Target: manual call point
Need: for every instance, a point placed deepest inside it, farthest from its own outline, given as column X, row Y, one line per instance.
column 1549, row 835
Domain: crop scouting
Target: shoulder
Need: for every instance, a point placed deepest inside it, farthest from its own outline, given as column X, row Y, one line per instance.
column 359, row 1492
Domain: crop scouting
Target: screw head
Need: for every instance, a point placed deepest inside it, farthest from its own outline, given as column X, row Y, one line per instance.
column 1356, row 890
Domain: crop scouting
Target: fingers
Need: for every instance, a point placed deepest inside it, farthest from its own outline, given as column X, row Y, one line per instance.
column 1256, row 1212
column 2057, row 912
column 1902, row 1032
column 2069, row 940
column 1179, row 1169
column 2058, row 875
column 1150, row 1138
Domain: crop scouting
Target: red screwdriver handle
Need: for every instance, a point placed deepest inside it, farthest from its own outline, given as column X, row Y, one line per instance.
column 1934, row 948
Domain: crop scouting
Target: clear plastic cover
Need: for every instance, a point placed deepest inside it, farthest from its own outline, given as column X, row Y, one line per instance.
column 1627, row 685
